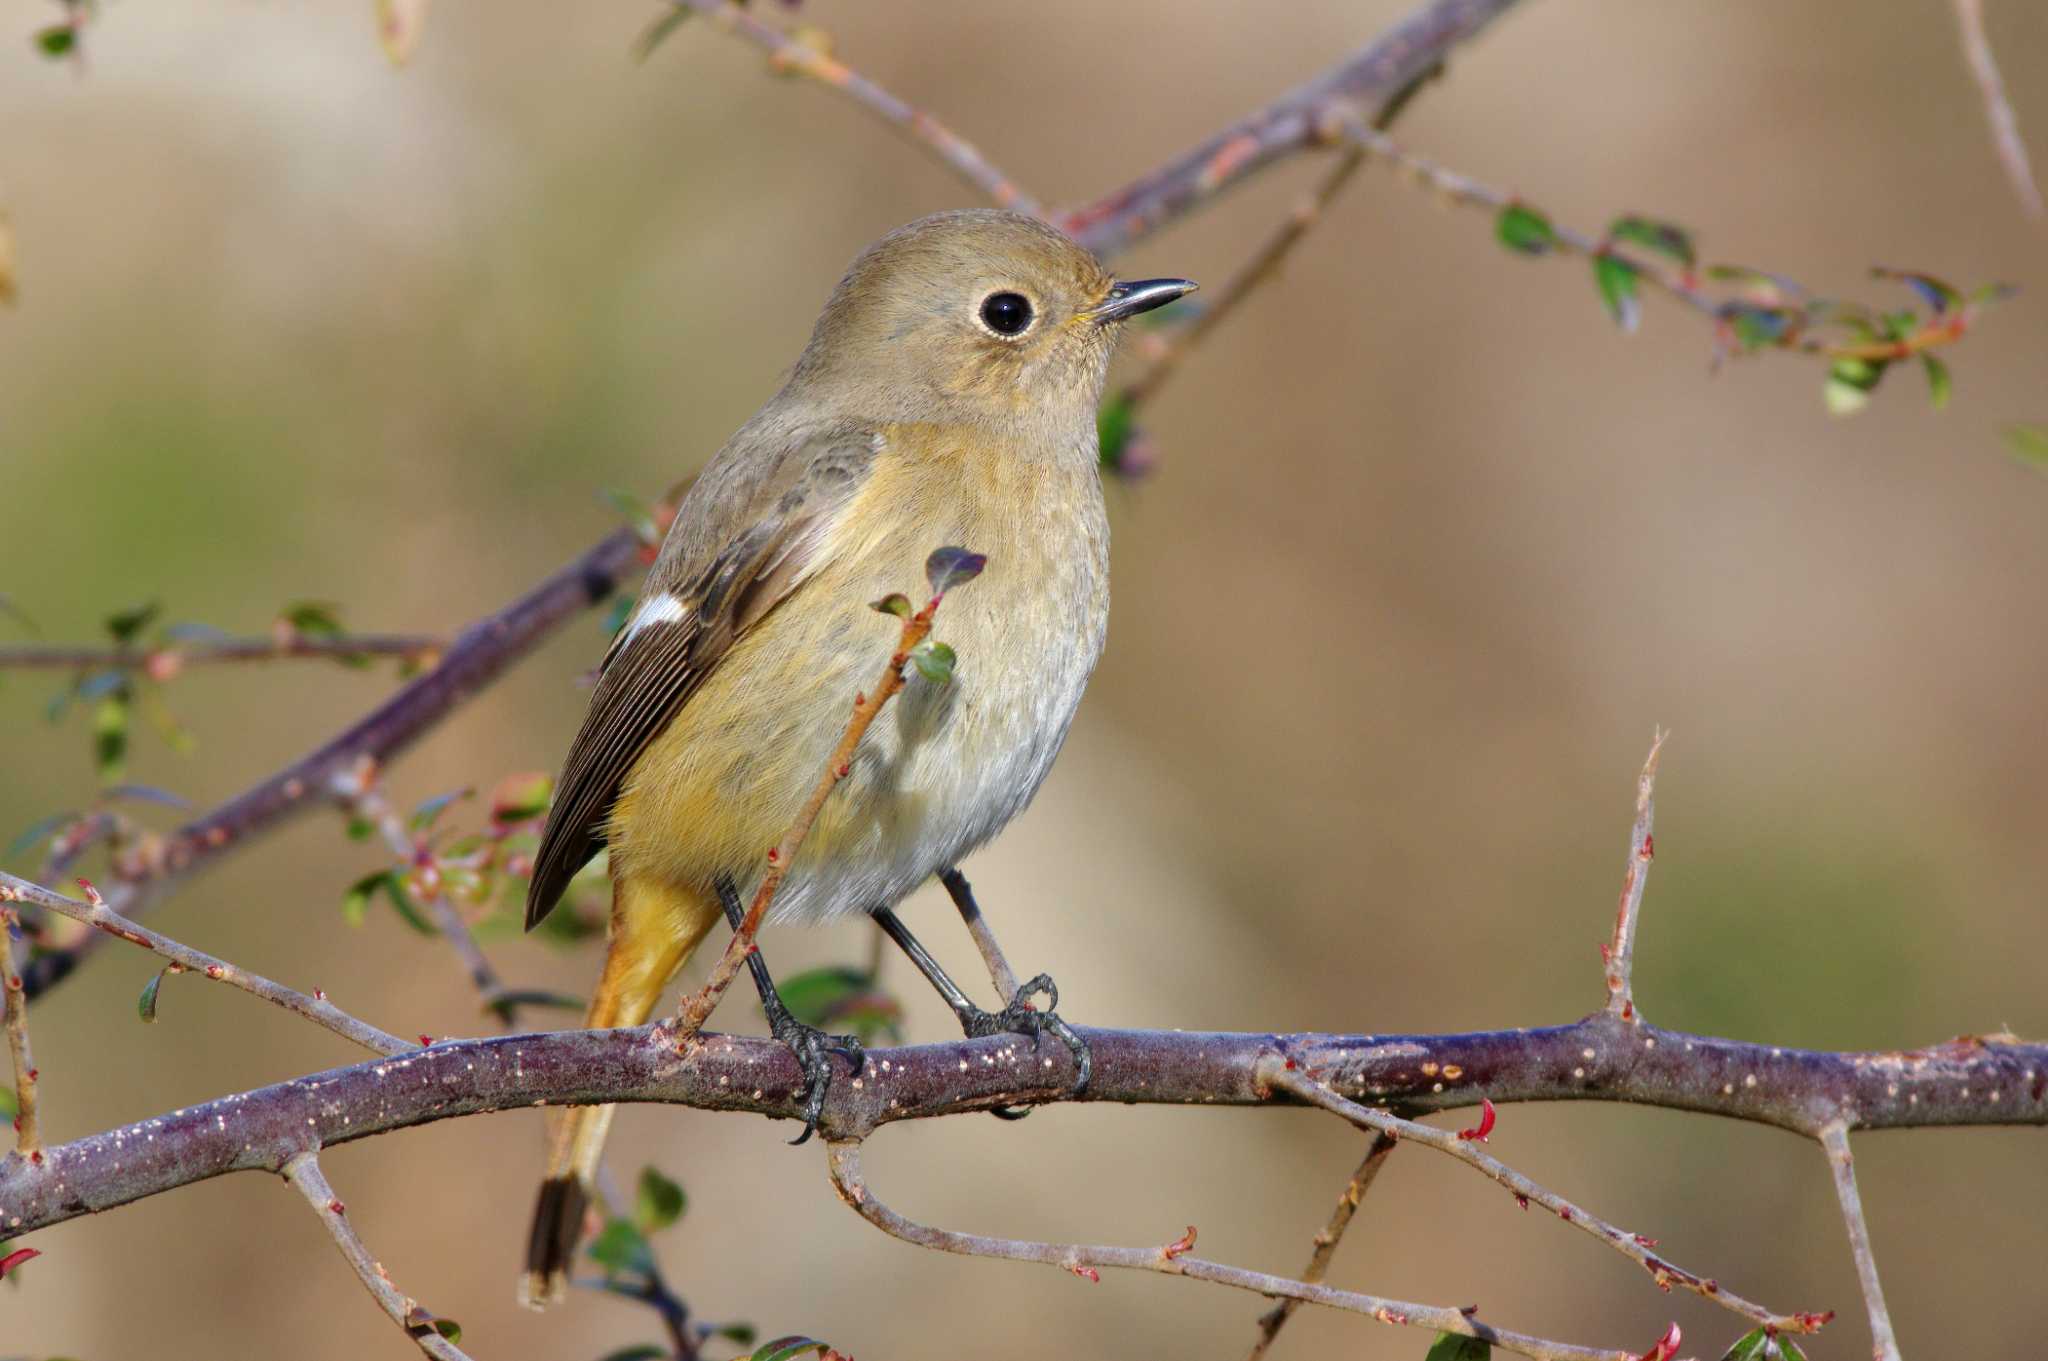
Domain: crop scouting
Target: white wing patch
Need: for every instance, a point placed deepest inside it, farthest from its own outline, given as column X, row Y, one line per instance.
column 659, row 609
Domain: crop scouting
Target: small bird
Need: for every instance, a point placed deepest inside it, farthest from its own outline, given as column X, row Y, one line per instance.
column 947, row 396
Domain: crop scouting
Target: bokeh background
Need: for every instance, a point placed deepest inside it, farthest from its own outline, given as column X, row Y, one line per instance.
column 1431, row 549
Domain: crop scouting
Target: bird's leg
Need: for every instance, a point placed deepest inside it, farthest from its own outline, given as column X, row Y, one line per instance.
column 962, row 894
column 812, row 1047
column 1017, row 1018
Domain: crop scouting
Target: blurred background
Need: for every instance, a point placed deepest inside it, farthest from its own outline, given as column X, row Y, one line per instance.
column 1430, row 549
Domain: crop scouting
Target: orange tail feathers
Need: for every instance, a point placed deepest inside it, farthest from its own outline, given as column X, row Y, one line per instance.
column 655, row 928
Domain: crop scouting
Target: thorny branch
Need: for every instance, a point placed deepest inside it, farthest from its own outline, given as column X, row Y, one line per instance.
column 1176, row 1259
column 1619, row 954
column 1326, row 1239
column 303, row 1172
column 1834, row 1142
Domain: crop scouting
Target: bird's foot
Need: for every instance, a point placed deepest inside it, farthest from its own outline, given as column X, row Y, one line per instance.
column 814, row 1049
column 1020, row 1017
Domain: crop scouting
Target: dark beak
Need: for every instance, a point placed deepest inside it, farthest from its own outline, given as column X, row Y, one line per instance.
column 1130, row 297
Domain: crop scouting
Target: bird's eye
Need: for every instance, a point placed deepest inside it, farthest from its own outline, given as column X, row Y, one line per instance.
column 1007, row 314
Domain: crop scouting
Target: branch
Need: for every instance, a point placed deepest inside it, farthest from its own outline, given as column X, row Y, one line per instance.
column 163, row 662
column 95, row 912
column 1362, row 86
column 303, row 1171
column 2005, row 128
column 788, row 55
column 1619, row 954
column 1174, row 1260
column 1834, row 1140
column 1971, row 1081
column 27, row 1136
column 1326, row 1240
column 478, row 657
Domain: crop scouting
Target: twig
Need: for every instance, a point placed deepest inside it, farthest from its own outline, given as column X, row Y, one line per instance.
column 304, row 1172
column 27, row 1135
column 1633, row 1246
column 162, row 662
column 95, row 912
column 999, row 971
column 482, row 653
column 1362, row 86
column 1174, row 1259
column 788, row 54
column 1619, row 954
column 1834, row 1141
column 916, row 628
column 1326, row 1240
column 2005, row 127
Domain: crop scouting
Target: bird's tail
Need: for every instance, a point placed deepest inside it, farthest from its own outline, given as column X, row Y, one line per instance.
column 655, row 928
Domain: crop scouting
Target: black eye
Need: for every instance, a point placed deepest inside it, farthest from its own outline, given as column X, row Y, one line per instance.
column 1007, row 314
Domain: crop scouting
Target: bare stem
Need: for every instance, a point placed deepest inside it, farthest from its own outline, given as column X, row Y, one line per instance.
column 304, row 1173
column 699, row 1005
column 1176, row 1259
column 1326, row 1240
column 1834, row 1140
column 95, row 912
column 162, row 662
column 1633, row 1246
column 1642, row 849
column 787, row 54
column 27, row 1136
column 2005, row 127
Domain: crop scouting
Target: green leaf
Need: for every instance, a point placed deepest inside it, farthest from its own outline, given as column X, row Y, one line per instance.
column 1761, row 1345
column 643, row 1352
column 355, row 904
column 656, row 33
column 313, row 618
column 429, row 812
column 1756, row 327
column 448, row 1328
column 505, row 1005
column 789, row 1348
column 1663, row 237
column 1849, row 384
column 1936, row 294
column 1757, row 286
column 934, row 661
column 58, row 40
column 110, row 737
column 635, row 511
column 1115, row 423
column 1522, row 228
column 522, row 798
column 621, row 1247
column 1616, row 279
column 742, row 1333
column 124, row 625
column 145, row 1005
column 1457, row 1347
column 616, row 616
column 361, row 829
column 2029, row 444
column 895, row 603
column 407, row 909
column 10, row 1105
column 658, row 1202
column 1939, row 383
column 949, row 567
column 845, row 998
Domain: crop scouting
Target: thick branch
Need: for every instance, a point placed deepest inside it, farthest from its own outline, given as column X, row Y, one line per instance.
column 1971, row 1081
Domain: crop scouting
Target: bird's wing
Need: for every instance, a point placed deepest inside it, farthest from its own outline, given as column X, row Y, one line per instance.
column 745, row 536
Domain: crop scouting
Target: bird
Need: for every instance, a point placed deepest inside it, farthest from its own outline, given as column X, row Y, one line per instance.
column 947, row 396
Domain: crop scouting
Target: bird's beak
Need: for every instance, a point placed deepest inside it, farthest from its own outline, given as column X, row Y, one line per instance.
column 1130, row 297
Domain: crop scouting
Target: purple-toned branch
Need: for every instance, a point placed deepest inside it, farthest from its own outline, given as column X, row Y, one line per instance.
column 1834, row 1141
column 1326, row 1240
column 1177, row 1259
column 2005, row 127
column 303, row 1172
column 173, row 657
column 96, row 913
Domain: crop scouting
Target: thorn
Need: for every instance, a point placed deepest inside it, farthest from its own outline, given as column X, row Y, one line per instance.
column 1646, row 1242
column 1522, row 1202
column 1649, row 847
column 426, row 1040
column 1180, row 1246
column 335, row 1207
column 319, row 994
column 1485, row 1126
column 1667, row 1346
column 1087, row 1273
column 92, row 895
column 774, row 854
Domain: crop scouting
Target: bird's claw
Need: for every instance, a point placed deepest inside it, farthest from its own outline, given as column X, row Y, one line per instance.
column 1022, row 1018
column 813, row 1049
